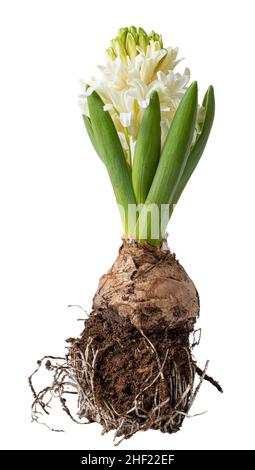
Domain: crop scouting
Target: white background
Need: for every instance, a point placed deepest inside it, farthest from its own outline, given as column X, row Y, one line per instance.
column 60, row 227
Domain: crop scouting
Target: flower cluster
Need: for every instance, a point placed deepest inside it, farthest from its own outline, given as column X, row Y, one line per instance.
column 136, row 65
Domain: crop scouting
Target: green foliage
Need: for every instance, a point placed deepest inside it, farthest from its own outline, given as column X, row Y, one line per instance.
column 157, row 177
column 173, row 158
column 147, row 150
column 199, row 146
column 91, row 135
column 109, row 148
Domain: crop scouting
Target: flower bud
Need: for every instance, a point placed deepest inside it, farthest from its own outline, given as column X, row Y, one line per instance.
column 121, row 30
column 122, row 34
column 133, row 31
column 141, row 31
column 131, row 46
column 156, row 45
column 151, row 35
column 119, row 49
column 143, row 41
column 110, row 53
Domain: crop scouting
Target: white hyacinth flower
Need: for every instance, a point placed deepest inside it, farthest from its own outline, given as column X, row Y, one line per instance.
column 137, row 65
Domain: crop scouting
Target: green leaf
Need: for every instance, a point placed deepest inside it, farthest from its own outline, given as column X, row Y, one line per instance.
column 147, row 150
column 173, row 158
column 110, row 149
column 90, row 132
column 199, row 146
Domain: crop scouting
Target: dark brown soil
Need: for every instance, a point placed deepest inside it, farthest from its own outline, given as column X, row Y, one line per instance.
column 127, row 364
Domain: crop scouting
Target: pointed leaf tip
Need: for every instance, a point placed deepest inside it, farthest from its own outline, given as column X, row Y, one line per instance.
column 199, row 146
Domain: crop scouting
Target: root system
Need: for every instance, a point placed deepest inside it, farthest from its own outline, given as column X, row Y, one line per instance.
column 132, row 369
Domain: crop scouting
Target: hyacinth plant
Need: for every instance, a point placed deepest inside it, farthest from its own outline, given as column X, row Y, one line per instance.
column 147, row 127
column 132, row 367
